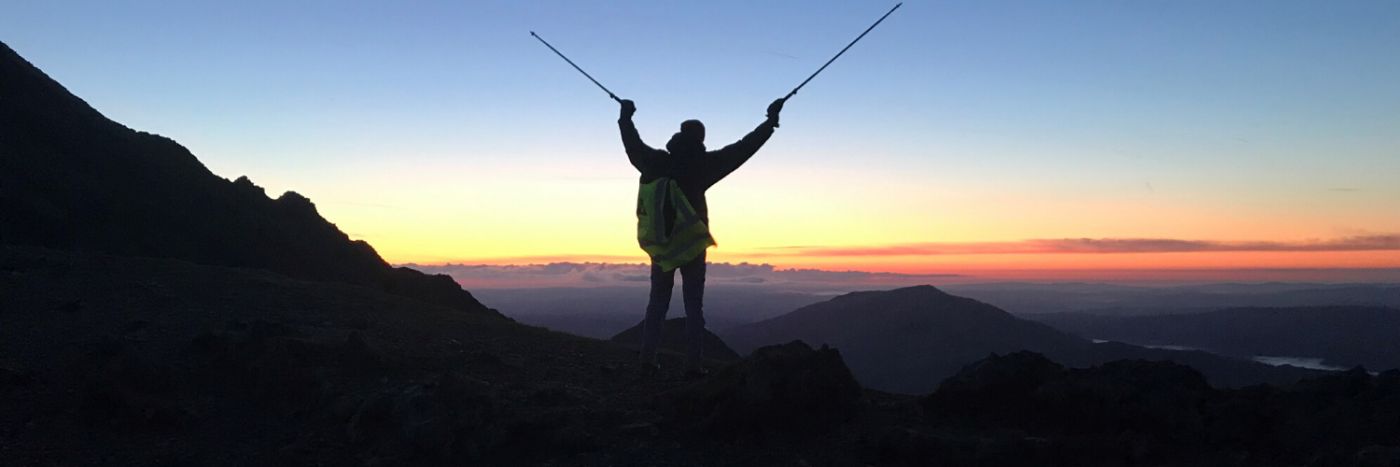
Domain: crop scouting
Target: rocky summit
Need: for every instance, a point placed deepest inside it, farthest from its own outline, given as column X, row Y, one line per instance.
column 673, row 340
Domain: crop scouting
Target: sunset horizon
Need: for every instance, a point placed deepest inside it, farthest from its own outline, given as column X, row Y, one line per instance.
column 950, row 141
column 1367, row 258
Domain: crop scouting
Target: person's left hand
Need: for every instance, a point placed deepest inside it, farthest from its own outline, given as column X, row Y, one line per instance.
column 774, row 109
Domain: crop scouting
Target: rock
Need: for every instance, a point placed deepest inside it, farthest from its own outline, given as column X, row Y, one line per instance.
column 448, row 418
column 1378, row 456
column 786, row 388
column 209, row 344
column 359, row 323
column 355, row 354
column 260, row 330
column 673, row 339
column 556, row 395
column 641, row 429
column 1017, row 374
column 1163, row 413
column 127, row 393
column 12, row 375
column 373, row 421
column 1025, row 390
column 68, row 306
column 486, row 363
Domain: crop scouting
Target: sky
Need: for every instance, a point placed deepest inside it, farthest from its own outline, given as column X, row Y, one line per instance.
column 959, row 137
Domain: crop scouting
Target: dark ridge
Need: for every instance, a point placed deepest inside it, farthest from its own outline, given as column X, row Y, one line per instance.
column 70, row 178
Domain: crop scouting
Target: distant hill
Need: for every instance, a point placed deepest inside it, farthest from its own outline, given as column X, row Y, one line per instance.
column 904, row 340
column 72, row 179
column 908, row 340
column 1342, row 336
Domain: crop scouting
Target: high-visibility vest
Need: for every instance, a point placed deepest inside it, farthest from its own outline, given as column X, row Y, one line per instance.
column 687, row 237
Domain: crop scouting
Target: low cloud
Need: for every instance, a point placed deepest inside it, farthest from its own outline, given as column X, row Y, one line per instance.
column 1095, row 246
column 621, row 274
column 569, row 274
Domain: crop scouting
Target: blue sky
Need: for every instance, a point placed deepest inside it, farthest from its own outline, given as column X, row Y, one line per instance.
column 1209, row 112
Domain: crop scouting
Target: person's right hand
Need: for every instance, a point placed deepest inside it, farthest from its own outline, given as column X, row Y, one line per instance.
column 776, row 107
column 628, row 108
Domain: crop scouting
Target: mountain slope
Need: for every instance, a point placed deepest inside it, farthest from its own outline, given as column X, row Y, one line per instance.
column 72, row 179
column 908, row 340
column 1340, row 335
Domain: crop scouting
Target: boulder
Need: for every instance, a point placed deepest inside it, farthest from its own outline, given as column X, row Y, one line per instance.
column 780, row 389
column 1025, row 390
column 447, row 418
column 673, row 339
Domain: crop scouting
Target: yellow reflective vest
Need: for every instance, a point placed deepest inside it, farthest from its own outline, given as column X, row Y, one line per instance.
column 687, row 237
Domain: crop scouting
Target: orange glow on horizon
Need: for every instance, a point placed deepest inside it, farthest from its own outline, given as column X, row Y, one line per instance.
column 581, row 213
column 1044, row 266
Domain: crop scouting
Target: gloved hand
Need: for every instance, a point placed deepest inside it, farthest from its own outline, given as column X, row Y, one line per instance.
column 628, row 108
column 774, row 109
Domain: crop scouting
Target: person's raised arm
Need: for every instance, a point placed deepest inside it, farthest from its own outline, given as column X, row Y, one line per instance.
column 641, row 155
column 730, row 157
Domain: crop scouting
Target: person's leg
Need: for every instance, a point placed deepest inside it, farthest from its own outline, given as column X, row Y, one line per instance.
column 655, row 320
column 693, row 292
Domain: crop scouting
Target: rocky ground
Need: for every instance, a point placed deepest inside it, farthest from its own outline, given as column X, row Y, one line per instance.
column 121, row 361
column 108, row 360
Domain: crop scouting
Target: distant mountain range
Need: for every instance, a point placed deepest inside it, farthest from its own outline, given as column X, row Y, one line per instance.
column 1343, row 336
column 1023, row 299
column 72, row 179
column 909, row 340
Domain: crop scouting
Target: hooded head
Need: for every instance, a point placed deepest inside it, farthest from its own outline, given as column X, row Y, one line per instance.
column 690, row 140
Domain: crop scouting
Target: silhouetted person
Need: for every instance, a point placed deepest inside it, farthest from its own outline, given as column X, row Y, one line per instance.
column 694, row 170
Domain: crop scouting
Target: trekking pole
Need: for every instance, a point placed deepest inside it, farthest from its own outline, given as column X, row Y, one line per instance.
column 580, row 70
column 838, row 54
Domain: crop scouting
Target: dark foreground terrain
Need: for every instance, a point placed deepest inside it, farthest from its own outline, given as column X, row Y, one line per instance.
column 109, row 360
column 121, row 361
